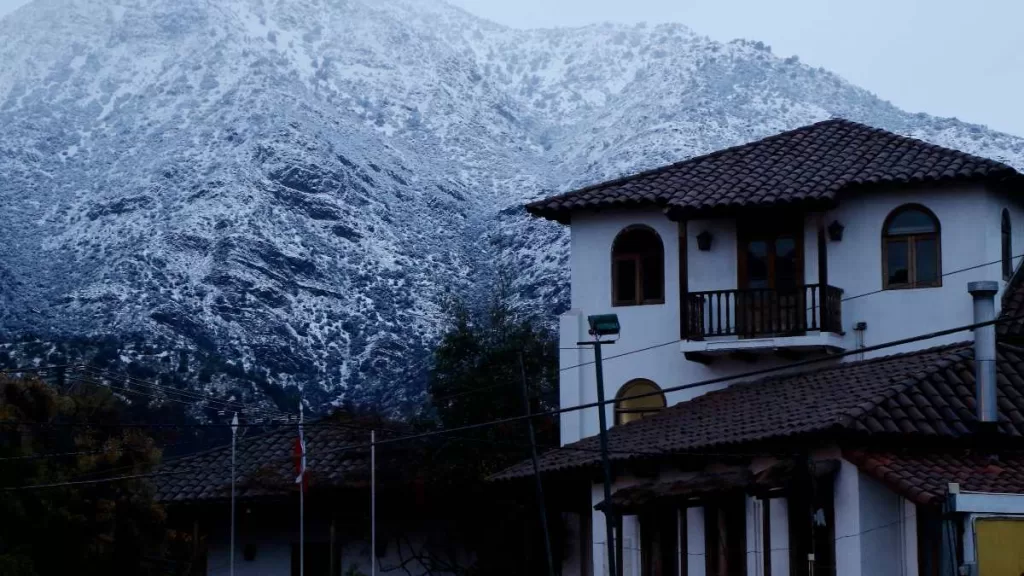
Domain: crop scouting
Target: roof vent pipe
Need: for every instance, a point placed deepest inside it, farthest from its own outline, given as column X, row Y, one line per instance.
column 985, row 348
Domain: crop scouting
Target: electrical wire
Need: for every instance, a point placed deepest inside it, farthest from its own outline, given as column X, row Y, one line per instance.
column 678, row 340
column 95, row 481
column 703, row 383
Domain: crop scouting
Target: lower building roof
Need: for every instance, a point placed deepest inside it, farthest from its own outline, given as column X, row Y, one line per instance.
column 928, row 394
column 923, row 478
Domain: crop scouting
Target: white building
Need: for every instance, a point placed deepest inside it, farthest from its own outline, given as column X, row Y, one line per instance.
column 810, row 245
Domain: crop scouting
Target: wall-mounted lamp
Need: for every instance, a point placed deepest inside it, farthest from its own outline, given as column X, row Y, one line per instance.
column 704, row 241
column 835, row 231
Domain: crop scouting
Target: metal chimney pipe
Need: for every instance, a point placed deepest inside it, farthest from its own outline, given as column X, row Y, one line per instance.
column 985, row 349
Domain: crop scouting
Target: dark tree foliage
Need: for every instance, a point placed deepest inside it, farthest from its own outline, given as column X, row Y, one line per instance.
column 477, row 377
column 93, row 528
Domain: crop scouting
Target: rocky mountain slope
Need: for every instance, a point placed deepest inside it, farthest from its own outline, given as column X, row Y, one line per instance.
column 293, row 187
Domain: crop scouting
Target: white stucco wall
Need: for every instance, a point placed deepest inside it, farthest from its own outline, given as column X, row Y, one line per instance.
column 969, row 217
column 876, row 529
column 652, row 327
column 274, row 550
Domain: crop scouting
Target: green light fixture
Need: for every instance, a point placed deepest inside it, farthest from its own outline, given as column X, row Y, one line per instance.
column 604, row 324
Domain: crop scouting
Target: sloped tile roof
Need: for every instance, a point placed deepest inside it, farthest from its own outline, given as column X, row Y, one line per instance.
column 924, row 477
column 1013, row 307
column 928, row 393
column 812, row 164
column 337, row 457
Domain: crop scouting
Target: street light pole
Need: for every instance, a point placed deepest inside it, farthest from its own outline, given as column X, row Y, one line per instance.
column 604, row 325
column 609, row 520
column 234, row 434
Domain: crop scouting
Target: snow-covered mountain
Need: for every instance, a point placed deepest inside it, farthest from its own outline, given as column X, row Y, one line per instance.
column 295, row 185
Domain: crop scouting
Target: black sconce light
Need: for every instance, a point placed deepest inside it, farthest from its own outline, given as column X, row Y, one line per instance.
column 704, row 241
column 835, row 231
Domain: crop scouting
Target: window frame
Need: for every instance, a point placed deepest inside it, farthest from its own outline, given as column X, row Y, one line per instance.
column 622, row 395
column 1006, row 244
column 911, row 241
column 638, row 269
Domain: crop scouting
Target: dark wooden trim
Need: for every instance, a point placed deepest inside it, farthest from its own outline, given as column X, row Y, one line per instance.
column 766, row 535
column 683, row 536
column 1006, row 244
column 765, row 312
column 684, row 281
column 749, row 230
column 789, row 354
column 822, row 254
column 623, row 394
column 744, row 356
column 911, row 240
column 699, row 358
column 638, row 269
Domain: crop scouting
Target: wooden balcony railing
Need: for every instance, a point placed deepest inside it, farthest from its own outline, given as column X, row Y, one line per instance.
column 763, row 312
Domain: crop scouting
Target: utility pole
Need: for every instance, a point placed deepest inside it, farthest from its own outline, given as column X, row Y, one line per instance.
column 536, row 469
column 373, row 503
column 234, row 434
column 604, row 325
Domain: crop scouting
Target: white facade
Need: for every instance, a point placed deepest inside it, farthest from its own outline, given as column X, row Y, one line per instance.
column 273, row 545
column 875, row 529
column 969, row 216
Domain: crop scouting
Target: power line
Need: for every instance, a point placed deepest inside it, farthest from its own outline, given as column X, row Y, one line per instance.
column 188, row 394
column 95, row 481
column 558, row 411
column 678, row 340
column 58, row 455
column 754, row 373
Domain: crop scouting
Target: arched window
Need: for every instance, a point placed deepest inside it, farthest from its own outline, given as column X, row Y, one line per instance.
column 1007, row 246
column 628, row 407
column 911, row 249
column 638, row 267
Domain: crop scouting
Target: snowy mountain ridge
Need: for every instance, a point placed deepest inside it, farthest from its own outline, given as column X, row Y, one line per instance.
column 297, row 185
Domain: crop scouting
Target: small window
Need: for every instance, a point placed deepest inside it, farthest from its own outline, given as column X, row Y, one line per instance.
column 1007, row 246
column 638, row 267
column 628, row 407
column 911, row 249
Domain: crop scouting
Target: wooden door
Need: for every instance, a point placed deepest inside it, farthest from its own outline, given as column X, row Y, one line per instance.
column 771, row 271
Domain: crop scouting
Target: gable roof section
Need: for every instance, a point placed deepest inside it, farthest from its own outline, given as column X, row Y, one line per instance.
column 265, row 464
column 923, row 478
column 928, row 393
column 809, row 165
column 1012, row 306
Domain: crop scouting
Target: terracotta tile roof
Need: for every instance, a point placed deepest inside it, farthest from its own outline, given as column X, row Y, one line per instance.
column 1013, row 307
column 265, row 465
column 923, row 478
column 928, row 393
column 811, row 165
column 633, row 498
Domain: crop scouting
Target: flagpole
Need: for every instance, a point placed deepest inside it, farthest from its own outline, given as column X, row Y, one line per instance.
column 302, row 498
column 234, row 434
column 373, row 503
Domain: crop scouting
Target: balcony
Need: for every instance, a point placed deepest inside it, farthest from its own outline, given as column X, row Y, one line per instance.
column 743, row 322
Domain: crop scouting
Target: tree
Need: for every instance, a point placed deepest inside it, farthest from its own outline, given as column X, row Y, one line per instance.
column 95, row 528
column 477, row 377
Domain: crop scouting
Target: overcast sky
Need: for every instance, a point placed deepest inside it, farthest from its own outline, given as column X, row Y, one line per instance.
column 962, row 58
